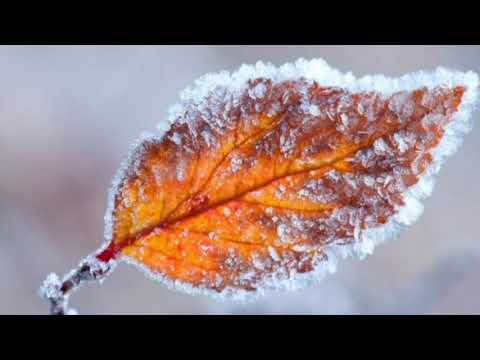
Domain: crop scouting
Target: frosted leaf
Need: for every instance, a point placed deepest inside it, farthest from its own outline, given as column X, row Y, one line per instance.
column 330, row 166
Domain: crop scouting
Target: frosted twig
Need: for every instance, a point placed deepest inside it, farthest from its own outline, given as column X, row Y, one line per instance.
column 58, row 291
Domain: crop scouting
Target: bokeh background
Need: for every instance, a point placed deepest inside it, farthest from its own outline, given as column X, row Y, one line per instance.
column 68, row 115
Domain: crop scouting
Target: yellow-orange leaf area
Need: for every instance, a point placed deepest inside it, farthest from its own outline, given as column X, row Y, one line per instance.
column 240, row 190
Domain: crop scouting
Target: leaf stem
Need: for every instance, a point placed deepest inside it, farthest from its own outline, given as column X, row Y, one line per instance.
column 57, row 291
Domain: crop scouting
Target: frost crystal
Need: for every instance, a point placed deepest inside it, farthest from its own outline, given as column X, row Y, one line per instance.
column 258, row 91
column 51, row 287
column 236, row 164
column 181, row 171
column 176, row 138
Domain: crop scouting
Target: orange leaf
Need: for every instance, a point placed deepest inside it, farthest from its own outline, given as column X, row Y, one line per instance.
column 253, row 186
column 266, row 175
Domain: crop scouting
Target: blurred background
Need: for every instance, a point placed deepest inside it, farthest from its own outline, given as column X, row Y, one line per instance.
column 68, row 115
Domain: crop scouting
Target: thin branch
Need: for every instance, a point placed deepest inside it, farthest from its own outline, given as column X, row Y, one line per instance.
column 58, row 291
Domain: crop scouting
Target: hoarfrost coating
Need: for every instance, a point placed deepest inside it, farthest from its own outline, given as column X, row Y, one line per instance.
column 227, row 88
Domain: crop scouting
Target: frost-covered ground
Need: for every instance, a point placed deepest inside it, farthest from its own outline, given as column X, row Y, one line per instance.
column 68, row 115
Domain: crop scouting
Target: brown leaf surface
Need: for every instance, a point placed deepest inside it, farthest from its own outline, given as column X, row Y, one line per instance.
column 235, row 193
